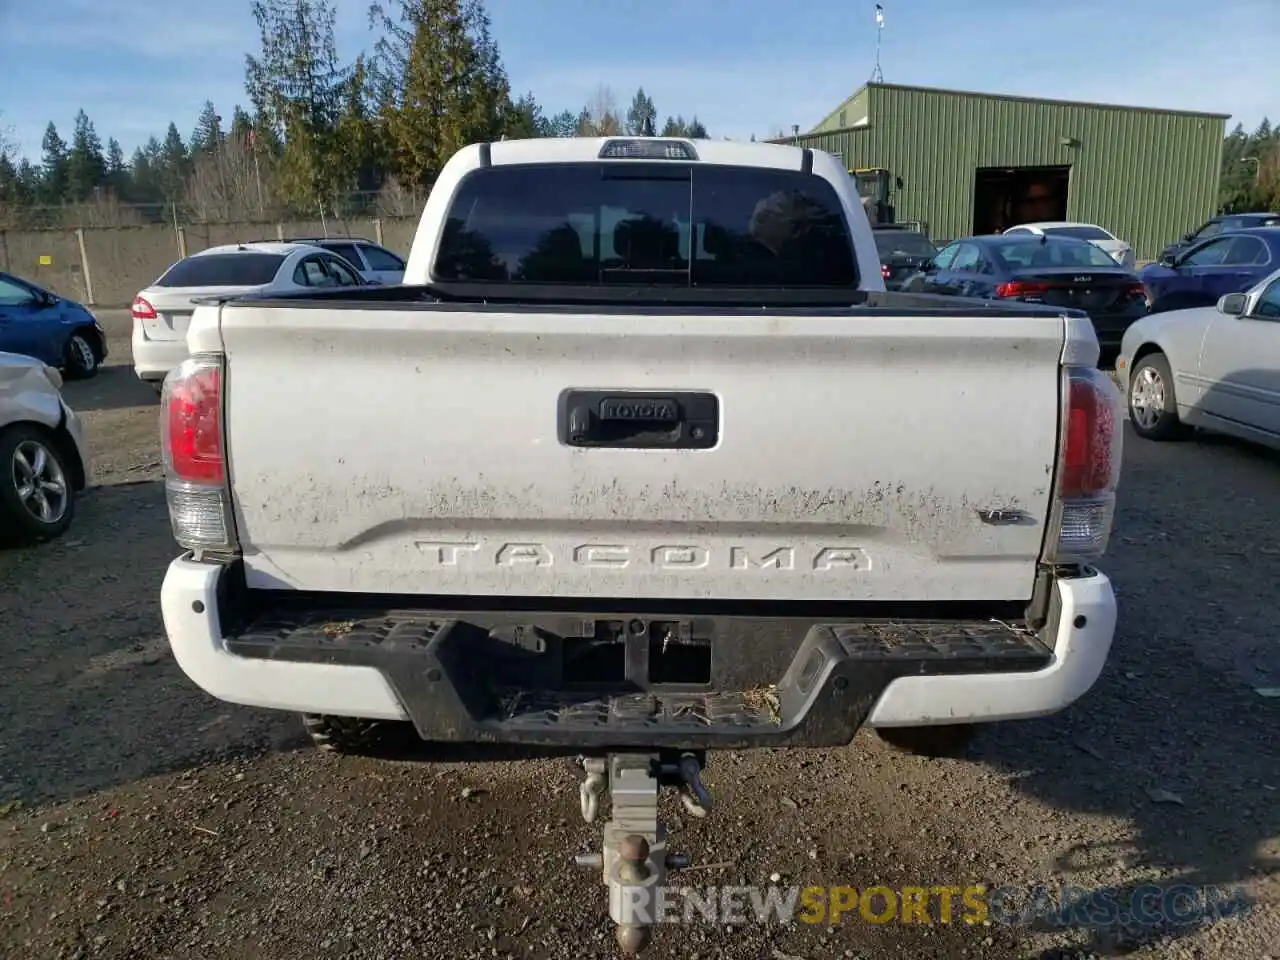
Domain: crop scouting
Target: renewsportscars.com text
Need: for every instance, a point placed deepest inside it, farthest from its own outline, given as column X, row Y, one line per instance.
column 1064, row 906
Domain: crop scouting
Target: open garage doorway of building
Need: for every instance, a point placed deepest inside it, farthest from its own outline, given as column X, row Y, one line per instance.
column 1004, row 197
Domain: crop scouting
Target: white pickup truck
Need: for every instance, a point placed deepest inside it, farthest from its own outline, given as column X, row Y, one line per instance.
column 641, row 462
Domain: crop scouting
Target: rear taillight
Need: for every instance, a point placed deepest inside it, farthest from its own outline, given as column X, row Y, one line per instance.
column 1136, row 290
column 142, row 309
column 1022, row 288
column 192, row 444
column 1089, row 453
column 885, row 272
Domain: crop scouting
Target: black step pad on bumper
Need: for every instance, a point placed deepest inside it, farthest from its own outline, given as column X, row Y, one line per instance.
column 520, row 679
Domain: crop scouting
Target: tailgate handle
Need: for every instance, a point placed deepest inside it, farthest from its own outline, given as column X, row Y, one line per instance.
column 633, row 420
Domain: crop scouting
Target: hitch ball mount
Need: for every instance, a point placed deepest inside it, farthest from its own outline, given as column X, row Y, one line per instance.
column 634, row 860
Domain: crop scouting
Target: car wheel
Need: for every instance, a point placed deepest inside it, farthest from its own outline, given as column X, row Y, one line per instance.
column 37, row 497
column 1153, row 409
column 947, row 740
column 80, row 359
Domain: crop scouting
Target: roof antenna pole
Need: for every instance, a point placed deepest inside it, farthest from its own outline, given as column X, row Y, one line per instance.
column 876, row 75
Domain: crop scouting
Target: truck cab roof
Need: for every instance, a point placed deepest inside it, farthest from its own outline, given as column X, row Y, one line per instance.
column 585, row 149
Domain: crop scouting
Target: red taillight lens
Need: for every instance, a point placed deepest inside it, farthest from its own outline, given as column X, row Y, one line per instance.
column 1022, row 288
column 1137, row 290
column 191, row 442
column 192, row 417
column 1087, row 459
column 885, row 272
column 142, row 309
column 1088, row 467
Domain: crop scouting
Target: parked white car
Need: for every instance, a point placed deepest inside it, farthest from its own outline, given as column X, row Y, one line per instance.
column 162, row 311
column 1217, row 368
column 44, row 461
column 1120, row 251
column 374, row 262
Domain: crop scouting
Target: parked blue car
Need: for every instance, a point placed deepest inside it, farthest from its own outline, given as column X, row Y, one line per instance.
column 1059, row 271
column 56, row 331
column 1231, row 262
column 1223, row 223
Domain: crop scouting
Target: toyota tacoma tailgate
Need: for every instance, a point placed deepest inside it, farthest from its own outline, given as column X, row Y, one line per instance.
column 495, row 452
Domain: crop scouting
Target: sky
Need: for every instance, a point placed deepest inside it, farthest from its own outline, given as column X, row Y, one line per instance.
column 743, row 66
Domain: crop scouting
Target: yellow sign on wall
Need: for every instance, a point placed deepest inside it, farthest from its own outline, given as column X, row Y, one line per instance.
column 46, row 260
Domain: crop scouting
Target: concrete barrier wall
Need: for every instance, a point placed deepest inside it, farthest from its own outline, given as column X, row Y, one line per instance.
column 107, row 266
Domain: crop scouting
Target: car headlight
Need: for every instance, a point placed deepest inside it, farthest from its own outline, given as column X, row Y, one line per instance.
column 54, row 377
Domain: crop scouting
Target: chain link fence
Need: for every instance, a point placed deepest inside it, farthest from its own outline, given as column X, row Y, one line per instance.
column 104, row 210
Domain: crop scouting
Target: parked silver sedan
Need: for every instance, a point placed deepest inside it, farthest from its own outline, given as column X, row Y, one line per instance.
column 44, row 462
column 162, row 312
column 1215, row 368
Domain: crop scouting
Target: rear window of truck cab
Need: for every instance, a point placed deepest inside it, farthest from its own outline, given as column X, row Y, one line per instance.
column 664, row 223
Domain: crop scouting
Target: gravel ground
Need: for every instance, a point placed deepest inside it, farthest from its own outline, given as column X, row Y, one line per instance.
column 141, row 818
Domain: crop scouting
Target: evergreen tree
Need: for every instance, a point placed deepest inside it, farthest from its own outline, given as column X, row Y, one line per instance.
column 357, row 140
column 241, row 123
column 174, row 163
column 144, row 174
column 117, row 178
column 28, row 180
column 86, row 166
column 563, row 124
column 674, row 127
column 54, row 173
column 10, row 191
column 438, row 80
column 297, row 86
column 523, row 119
column 208, row 132
column 642, row 116
column 1247, row 162
column 115, row 157
column 678, row 127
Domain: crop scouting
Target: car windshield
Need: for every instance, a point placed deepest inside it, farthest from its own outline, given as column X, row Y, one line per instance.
column 223, row 270
column 904, row 243
column 1052, row 252
column 1079, row 232
column 669, row 223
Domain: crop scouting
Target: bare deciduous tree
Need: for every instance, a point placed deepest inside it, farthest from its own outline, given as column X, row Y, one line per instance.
column 102, row 209
column 600, row 116
column 226, row 185
column 397, row 200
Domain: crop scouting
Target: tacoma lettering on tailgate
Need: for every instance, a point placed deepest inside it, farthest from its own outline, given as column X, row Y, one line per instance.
column 618, row 556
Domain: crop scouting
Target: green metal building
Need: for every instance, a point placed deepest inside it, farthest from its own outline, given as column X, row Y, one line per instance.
column 975, row 163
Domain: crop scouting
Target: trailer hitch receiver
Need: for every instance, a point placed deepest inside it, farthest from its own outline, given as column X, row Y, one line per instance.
column 634, row 859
